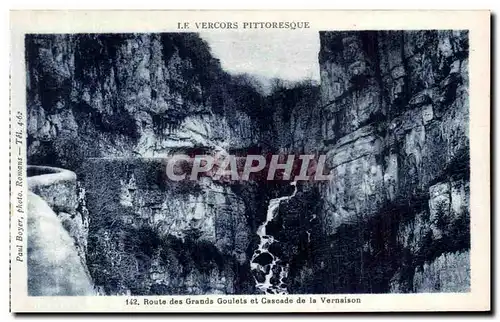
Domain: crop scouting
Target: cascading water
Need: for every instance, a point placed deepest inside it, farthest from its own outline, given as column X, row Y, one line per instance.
column 265, row 264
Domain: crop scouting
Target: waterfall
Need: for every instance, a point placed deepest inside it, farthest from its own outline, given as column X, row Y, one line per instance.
column 265, row 262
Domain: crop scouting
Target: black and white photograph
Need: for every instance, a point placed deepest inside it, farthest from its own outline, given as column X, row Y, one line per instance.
column 246, row 162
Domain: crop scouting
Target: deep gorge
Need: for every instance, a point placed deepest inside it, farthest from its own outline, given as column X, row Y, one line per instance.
column 391, row 114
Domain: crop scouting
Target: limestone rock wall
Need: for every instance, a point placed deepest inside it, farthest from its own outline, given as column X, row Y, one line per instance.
column 395, row 128
column 98, row 100
column 391, row 114
column 152, row 235
column 130, row 95
column 296, row 118
column 57, row 234
column 447, row 273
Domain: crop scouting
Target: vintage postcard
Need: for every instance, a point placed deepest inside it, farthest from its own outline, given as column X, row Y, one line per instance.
column 250, row 161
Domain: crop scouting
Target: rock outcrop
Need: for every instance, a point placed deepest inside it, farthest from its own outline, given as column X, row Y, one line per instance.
column 156, row 236
column 131, row 95
column 394, row 107
column 57, row 235
column 100, row 102
column 391, row 115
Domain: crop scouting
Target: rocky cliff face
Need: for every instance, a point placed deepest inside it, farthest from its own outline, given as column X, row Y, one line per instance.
column 166, row 237
column 391, row 114
column 131, row 95
column 394, row 117
column 101, row 105
column 58, row 229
